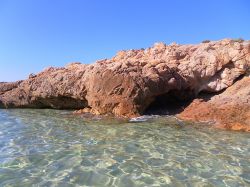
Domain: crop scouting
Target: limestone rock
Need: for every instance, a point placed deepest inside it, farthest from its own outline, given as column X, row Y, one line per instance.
column 229, row 109
column 128, row 83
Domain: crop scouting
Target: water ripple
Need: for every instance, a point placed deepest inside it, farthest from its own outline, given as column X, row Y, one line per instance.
column 56, row 148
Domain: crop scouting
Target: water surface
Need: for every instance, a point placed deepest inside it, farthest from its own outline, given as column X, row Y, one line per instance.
column 56, row 148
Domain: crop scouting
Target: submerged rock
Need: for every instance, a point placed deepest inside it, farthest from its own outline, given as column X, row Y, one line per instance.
column 127, row 84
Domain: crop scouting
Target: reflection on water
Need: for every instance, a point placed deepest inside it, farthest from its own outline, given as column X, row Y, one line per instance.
column 55, row 148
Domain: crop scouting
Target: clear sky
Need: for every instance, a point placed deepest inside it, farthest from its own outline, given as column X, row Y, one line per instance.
column 35, row 34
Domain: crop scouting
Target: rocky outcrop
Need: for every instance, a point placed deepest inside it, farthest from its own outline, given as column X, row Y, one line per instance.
column 229, row 109
column 130, row 82
column 7, row 86
column 53, row 88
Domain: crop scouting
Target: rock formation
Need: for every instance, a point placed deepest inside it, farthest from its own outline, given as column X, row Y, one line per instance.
column 7, row 86
column 230, row 109
column 127, row 84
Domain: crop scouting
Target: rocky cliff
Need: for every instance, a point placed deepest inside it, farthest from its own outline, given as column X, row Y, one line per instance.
column 132, row 81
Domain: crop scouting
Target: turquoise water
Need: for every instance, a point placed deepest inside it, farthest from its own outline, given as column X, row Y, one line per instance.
column 56, row 148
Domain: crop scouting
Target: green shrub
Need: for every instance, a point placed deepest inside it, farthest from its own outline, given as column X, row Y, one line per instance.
column 206, row 41
column 240, row 40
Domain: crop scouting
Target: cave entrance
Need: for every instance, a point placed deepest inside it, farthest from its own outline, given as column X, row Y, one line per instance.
column 170, row 103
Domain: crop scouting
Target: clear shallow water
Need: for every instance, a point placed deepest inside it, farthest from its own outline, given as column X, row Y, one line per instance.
column 55, row 148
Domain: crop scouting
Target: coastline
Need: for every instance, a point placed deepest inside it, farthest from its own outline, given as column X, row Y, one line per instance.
column 135, row 80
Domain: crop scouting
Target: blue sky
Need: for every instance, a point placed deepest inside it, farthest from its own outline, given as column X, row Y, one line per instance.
column 35, row 34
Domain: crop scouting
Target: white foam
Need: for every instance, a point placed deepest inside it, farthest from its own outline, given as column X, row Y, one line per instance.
column 143, row 118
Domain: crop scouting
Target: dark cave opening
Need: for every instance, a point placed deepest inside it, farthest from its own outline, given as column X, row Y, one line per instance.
column 170, row 103
column 175, row 101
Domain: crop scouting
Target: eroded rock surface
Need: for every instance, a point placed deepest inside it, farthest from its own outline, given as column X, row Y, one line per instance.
column 230, row 109
column 129, row 82
column 7, row 86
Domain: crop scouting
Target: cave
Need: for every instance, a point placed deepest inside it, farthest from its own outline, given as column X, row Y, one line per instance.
column 170, row 103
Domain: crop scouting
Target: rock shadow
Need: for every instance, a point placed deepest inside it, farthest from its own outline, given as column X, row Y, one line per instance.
column 170, row 103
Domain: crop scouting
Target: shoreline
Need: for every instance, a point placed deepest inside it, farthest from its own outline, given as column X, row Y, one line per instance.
column 172, row 76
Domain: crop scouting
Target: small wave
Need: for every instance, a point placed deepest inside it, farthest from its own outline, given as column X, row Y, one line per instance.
column 143, row 118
